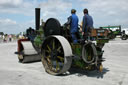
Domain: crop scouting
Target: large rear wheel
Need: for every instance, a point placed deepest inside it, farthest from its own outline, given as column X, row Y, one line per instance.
column 56, row 55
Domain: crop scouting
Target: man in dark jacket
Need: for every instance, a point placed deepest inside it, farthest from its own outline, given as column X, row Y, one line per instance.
column 87, row 24
column 73, row 22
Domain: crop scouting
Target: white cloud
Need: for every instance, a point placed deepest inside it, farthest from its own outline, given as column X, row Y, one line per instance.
column 12, row 27
column 7, row 22
column 10, row 3
column 54, row 5
column 106, row 5
column 50, row 8
column 8, row 25
column 54, row 8
column 106, row 12
column 17, row 7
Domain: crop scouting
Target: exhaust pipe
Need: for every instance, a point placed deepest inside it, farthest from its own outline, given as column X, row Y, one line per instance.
column 37, row 18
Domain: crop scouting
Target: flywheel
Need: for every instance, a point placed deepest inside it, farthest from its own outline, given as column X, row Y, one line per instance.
column 52, row 27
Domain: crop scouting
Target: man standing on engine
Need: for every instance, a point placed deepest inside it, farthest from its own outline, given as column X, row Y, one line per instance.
column 87, row 24
column 73, row 22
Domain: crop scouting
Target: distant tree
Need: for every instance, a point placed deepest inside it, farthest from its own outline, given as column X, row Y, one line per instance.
column 1, row 33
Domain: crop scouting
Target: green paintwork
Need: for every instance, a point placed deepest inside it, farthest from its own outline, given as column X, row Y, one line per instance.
column 39, row 38
column 113, row 34
column 77, row 49
column 112, row 27
column 102, row 40
column 79, row 63
column 37, row 41
column 116, row 32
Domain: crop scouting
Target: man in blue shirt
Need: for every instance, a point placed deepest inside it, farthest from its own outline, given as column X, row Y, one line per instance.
column 73, row 22
column 87, row 24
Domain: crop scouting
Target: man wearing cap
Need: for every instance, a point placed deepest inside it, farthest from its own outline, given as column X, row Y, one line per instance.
column 73, row 22
column 87, row 24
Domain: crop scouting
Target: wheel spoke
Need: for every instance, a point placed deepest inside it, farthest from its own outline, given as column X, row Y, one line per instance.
column 49, row 56
column 50, row 65
column 58, row 48
column 49, row 48
column 53, row 44
column 57, row 65
column 48, row 59
column 47, row 51
column 61, row 58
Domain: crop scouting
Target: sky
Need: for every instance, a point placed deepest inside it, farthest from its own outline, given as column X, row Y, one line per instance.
column 18, row 15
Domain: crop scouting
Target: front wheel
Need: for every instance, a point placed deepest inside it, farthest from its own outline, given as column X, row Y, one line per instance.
column 124, row 37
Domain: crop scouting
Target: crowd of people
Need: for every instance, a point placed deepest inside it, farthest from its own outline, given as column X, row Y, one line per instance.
column 7, row 38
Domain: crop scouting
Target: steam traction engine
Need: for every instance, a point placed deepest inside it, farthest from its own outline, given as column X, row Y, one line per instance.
column 52, row 44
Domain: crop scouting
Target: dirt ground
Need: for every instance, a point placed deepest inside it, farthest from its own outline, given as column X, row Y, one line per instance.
column 115, row 70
